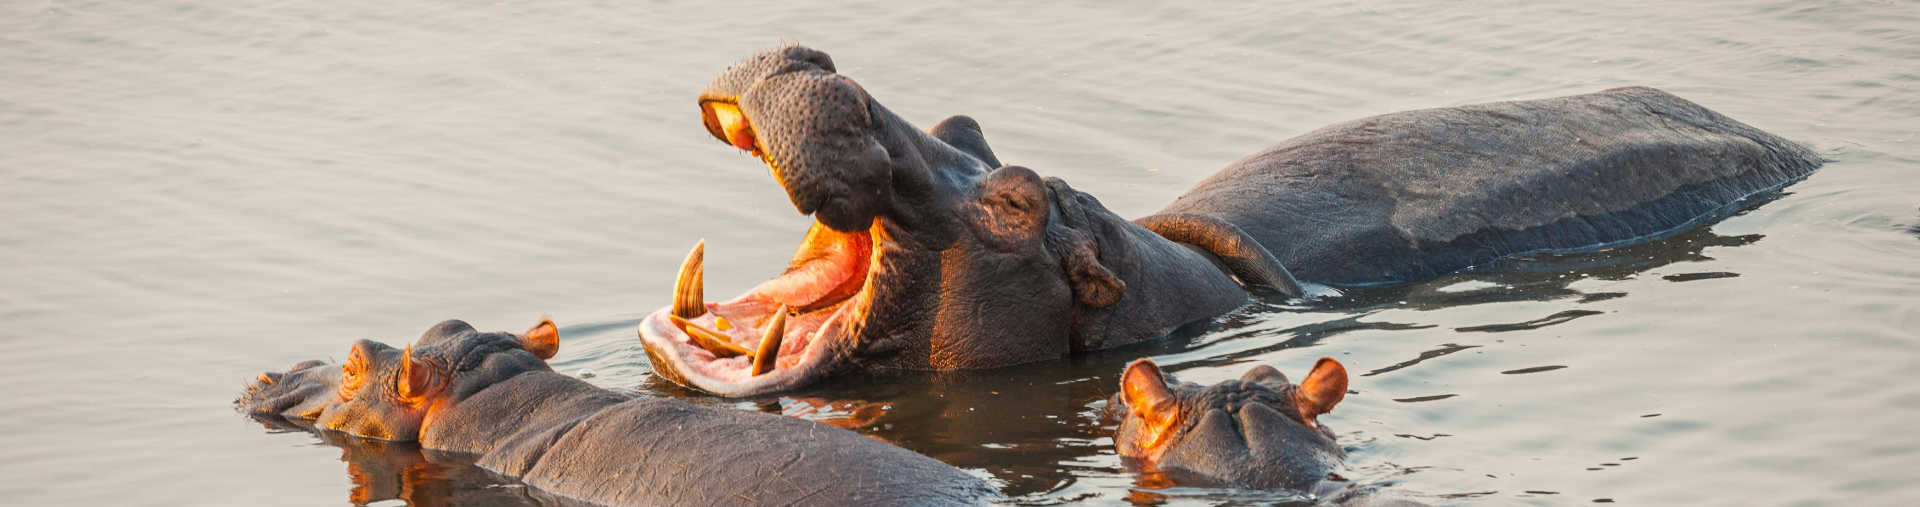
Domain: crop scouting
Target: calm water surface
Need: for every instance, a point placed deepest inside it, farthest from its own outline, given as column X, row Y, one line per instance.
column 194, row 191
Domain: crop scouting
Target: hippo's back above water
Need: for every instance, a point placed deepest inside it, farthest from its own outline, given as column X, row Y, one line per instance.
column 1413, row 195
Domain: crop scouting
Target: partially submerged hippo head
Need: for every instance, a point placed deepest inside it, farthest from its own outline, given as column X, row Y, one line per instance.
column 1260, row 431
column 925, row 253
column 386, row 393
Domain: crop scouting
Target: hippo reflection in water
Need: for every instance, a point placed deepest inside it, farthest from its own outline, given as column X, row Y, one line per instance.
column 927, row 253
column 492, row 395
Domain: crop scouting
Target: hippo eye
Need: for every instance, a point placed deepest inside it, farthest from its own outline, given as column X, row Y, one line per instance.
column 350, row 381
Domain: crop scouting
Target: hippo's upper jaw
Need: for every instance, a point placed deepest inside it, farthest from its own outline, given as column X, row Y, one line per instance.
column 925, row 252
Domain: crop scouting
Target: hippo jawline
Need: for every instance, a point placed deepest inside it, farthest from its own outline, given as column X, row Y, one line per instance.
column 826, row 292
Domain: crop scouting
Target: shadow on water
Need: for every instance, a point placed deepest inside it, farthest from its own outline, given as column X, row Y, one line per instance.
column 1037, row 429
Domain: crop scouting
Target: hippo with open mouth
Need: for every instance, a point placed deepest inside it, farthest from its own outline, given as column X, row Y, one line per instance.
column 927, row 253
column 493, row 395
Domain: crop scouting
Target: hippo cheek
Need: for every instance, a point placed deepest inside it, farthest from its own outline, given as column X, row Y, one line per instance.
column 368, row 420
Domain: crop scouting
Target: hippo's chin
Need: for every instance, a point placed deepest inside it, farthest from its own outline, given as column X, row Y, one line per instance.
column 826, row 292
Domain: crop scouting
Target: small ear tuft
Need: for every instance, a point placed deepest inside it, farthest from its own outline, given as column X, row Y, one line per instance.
column 543, row 340
column 418, row 379
column 1145, row 389
column 1324, row 387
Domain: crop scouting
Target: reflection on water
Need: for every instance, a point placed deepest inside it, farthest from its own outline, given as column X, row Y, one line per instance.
column 382, row 472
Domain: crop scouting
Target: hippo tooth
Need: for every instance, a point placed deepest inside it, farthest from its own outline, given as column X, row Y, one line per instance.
column 689, row 294
column 770, row 342
column 714, row 341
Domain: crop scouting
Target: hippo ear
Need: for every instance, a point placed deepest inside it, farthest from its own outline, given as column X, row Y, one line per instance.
column 1094, row 284
column 543, row 340
column 1145, row 390
column 419, row 379
column 1324, row 387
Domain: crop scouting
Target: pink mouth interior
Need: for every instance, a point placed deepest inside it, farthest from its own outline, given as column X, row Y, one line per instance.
column 827, row 271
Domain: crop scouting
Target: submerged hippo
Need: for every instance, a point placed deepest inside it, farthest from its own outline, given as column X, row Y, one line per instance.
column 1259, row 431
column 492, row 395
column 927, row 253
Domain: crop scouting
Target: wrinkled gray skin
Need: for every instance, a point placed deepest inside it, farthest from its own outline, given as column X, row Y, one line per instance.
column 983, row 265
column 1413, row 195
column 573, row 439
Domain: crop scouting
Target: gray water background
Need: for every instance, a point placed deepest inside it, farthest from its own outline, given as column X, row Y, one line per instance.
column 195, row 191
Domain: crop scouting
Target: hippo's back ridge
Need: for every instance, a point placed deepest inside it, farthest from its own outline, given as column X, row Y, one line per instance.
column 1416, row 194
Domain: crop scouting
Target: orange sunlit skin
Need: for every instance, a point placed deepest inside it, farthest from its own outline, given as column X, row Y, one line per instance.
column 1158, row 410
column 423, row 388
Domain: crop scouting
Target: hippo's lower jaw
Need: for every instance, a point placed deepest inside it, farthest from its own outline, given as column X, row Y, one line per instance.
column 825, row 292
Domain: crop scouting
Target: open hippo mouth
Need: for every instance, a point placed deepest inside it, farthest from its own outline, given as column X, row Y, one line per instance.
column 781, row 334
column 815, row 130
column 789, row 331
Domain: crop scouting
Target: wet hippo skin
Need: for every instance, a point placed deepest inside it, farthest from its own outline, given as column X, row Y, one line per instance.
column 1259, row 431
column 492, row 395
column 928, row 253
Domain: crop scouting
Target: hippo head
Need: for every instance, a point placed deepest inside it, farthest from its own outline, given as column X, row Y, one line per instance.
column 925, row 252
column 1259, row 431
column 392, row 394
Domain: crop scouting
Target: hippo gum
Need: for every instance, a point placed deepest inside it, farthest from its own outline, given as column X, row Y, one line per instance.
column 493, row 395
column 927, row 253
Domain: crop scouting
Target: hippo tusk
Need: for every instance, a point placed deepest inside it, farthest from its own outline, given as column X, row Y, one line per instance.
column 689, row 295
column 714, row 341
column 770, row 343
